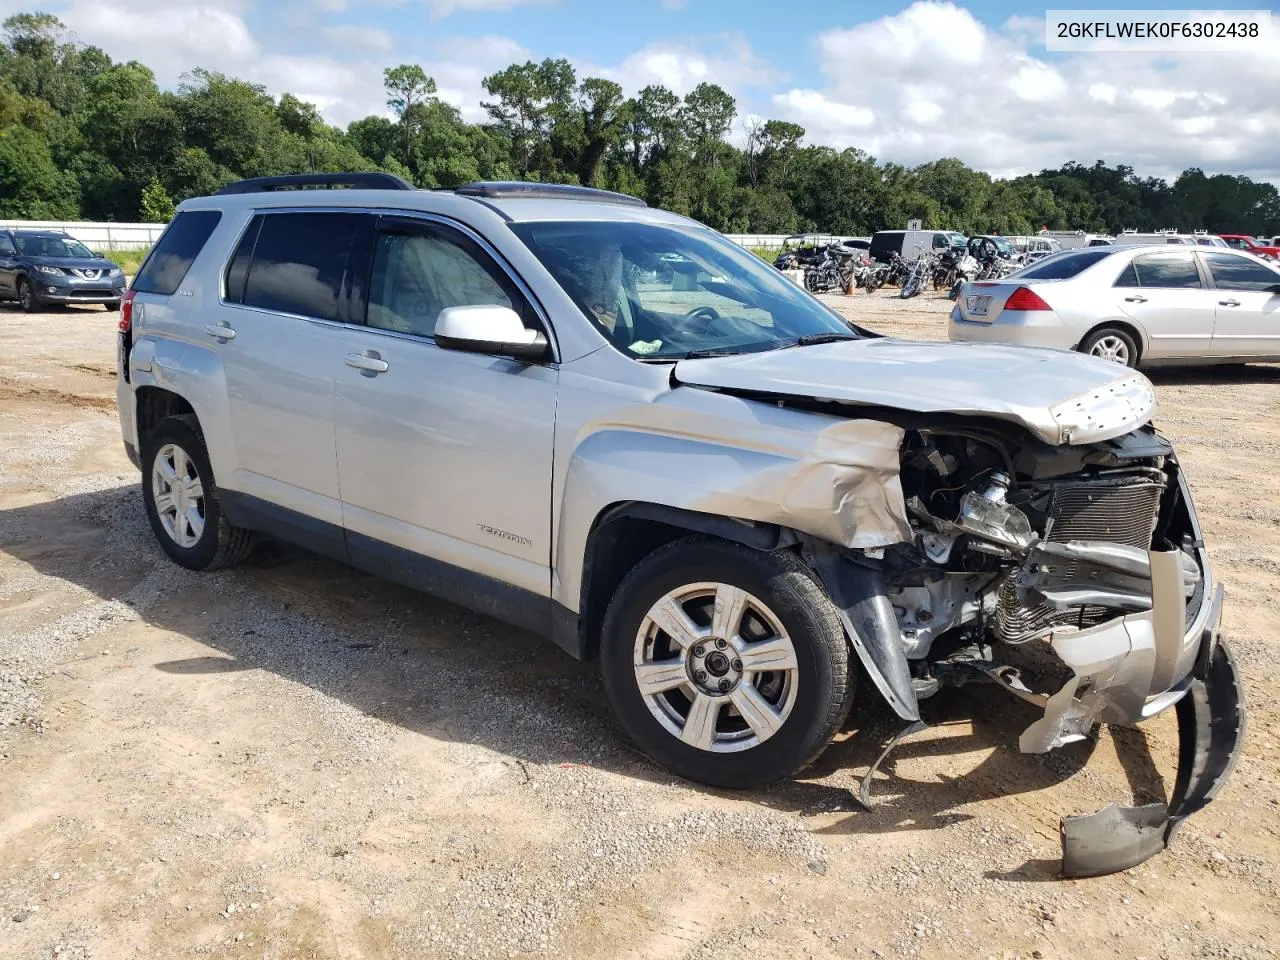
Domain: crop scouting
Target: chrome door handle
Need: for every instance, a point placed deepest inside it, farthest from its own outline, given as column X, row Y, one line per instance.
column 220, row 331
column 1136, row 298
column 1228, row 303
column 366, row 363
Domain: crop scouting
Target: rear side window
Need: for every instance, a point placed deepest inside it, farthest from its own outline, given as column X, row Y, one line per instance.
column 1163, row 270
column 1236, row 273
column 298, row 263
column 238, row 269
column 175, row 251
column 1064, row 267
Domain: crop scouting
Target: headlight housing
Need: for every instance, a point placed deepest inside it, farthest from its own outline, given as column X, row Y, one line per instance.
column 42, row 268
column 1106, row 412
column 114, row 272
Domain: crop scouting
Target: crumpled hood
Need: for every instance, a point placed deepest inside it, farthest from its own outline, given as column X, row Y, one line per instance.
column 1059, row 396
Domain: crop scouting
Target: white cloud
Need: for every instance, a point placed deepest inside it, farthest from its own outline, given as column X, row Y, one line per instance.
column 348, row 36
column 443, row 8
column 682, row 64
column 938, row 82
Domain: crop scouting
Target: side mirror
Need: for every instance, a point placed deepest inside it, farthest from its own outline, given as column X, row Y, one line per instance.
column 489, row 329
column 99, row 254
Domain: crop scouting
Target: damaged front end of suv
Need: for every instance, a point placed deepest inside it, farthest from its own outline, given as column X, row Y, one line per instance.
column 1054, row 552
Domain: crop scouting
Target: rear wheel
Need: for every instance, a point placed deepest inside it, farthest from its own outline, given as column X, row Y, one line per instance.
column 1111, row 343
column 181, row 499
column 726, row 665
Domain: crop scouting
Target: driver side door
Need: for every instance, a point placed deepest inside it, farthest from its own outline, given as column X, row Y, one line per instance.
column 8, row 266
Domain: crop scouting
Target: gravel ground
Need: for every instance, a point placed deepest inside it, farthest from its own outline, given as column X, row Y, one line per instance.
column 292, row 759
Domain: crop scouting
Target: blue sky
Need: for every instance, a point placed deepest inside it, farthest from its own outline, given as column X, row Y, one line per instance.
column 906, row 82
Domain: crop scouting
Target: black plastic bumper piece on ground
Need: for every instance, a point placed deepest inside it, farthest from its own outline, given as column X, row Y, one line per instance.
column 1211, row 722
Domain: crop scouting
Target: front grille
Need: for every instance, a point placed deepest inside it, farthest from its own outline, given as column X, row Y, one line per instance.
column 1117, row 510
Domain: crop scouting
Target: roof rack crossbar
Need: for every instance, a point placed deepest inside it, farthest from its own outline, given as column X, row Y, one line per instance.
column 516, row 189
column 311, row 181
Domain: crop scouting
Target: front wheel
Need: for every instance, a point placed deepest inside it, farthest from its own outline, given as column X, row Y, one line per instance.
column 1111, row 343
column 727, row 665
column 27, row 296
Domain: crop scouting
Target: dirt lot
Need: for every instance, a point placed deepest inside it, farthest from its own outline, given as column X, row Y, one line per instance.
column 292, row 759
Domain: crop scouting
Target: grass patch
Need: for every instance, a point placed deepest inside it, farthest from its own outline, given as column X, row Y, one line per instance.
column 128, row 260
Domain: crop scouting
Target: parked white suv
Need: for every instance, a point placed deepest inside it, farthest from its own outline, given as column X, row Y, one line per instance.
column 612, row 426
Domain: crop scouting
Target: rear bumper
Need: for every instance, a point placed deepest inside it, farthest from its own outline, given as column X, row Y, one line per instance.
column 1027, row 328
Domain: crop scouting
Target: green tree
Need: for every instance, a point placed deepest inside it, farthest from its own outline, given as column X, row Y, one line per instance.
column 157, row 205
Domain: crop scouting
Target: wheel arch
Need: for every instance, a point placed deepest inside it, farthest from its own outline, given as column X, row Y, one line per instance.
column 626, row 532
column 153, row 404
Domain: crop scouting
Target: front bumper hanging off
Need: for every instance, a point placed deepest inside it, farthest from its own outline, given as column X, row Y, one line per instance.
column 1211, row 723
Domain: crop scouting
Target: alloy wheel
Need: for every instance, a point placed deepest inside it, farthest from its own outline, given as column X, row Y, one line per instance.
column 178, row 494
column 716, row 667
column 1113, row 348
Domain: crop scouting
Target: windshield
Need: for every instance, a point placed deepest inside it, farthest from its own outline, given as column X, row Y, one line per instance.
column 52, row 247
column 1004, row 245
column 958, row 240
column 661, row 292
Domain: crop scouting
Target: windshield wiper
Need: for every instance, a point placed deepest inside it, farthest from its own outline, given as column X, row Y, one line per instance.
column 812, row 339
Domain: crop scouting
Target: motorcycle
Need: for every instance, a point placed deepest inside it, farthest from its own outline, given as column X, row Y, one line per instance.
column 830, row 271
column 922, row 266
column 966, row 269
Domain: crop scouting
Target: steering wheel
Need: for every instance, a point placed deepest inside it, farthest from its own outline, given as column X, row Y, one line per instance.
column 707, row 314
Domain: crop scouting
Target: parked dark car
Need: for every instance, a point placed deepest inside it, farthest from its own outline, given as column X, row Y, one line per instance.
column 40, row 267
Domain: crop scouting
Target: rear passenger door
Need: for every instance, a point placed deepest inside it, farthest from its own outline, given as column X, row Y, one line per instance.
column 1164, row 293
column 276, row 332
column 444, row 458
column 1247, row 306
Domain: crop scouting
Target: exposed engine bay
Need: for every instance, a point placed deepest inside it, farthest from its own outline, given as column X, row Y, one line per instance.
column 1016, row 546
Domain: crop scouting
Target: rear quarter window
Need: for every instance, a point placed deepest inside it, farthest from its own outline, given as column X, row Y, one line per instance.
column 175, row 251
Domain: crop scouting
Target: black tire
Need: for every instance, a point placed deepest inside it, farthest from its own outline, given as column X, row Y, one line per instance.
column 27, row 298
column 1090, row 343
column 824, row 674
column 220, row 544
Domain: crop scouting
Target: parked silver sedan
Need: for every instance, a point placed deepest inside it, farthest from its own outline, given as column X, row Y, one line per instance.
column 1147, row 305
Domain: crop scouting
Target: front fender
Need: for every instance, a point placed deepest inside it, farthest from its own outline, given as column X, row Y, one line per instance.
column 838, row 483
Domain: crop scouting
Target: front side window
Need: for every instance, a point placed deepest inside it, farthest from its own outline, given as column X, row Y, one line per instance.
column 6, row 247
column 420, row 272
column 1165, row 270
column 298, row 263
column 941, row 241
column 659, row 291
column 1239, row 273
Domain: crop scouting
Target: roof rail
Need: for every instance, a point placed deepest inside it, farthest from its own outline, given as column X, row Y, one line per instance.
column 305, row 181
column 518, row 189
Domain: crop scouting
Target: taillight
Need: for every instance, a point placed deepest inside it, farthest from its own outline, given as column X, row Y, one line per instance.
column 1024, row 298
column 126, row 311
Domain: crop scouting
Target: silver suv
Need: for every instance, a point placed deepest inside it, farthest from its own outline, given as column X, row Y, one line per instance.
column 610, row 425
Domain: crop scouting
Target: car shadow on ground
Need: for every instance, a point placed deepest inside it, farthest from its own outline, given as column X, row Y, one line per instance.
column 443, row 672
column 1223, row 375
